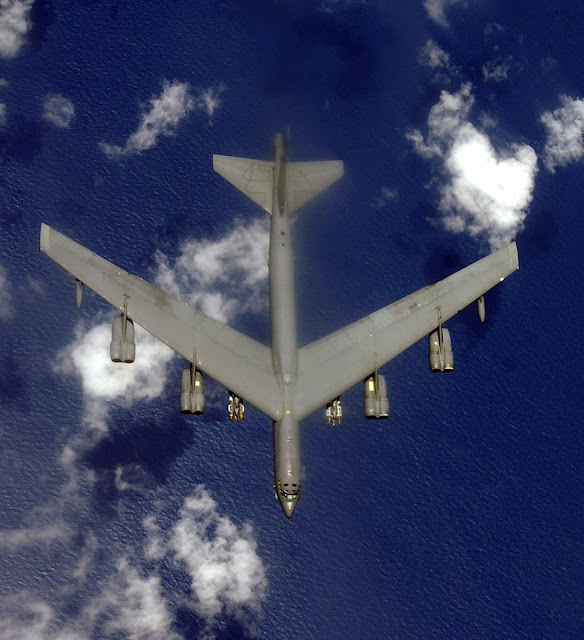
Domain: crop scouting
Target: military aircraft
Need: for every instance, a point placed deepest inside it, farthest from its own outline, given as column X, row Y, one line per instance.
column 284, row 382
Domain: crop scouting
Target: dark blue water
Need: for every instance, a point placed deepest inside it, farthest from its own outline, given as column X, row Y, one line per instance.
column 461, row 516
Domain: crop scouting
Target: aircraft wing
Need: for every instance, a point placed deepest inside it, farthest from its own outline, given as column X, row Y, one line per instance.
column 239, row 363
column 255, row 178
column 330, row 366
column 305, row 180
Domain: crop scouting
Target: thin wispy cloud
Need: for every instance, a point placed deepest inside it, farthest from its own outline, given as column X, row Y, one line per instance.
column 564, row 128
column 16, row 539
column 209, row 100
column 496, row 70
column 383, row 197
column 487, row 191
column 58, row 110
column 3, row 117
column 14, row 26
column 431, row 55
column 161, row 118
column 436, row 10
column 6, row 309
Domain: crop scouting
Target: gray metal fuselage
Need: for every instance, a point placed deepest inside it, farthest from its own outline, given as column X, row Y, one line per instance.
column 283, row 338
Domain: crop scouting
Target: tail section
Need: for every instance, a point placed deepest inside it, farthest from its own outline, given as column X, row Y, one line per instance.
column 255, row 178
column 305, row 180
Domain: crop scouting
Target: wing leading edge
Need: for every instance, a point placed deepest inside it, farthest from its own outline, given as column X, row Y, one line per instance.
column 330, row 366
column 236, row 361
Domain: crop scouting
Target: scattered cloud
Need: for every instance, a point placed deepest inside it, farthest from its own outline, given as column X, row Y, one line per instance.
column 488, row 192
column 431, row 55
column 14, row 25
column 225, row 277
column 228, row 579
column 133, row 606
column 161, row 119
column 58, row 110
column 227, row 574
column 209, row 100
column 6, row 309
column 564, row 127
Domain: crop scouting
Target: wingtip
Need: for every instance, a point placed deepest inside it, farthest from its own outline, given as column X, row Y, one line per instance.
column 45, row 231
column 514, row 255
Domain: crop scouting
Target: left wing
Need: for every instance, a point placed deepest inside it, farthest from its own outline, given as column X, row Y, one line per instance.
column 330, row 366
column 239, row 363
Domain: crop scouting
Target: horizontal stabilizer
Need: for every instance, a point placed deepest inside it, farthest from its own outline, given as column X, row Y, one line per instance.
column 305, row 180
column 255, row 178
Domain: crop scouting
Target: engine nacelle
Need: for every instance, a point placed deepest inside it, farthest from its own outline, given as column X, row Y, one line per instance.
column 192, row 393
column 440, row 354
column 375, row 402
column 122, row 346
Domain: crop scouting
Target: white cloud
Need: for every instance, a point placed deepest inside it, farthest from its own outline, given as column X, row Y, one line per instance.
column 227, row 575
column 564, row 127
column 2, row 114
column 14, row 25
column 6, row 309
column 163, row 117
column 431, row 55
column 488, row 191
column 105, row 382
column 225, row 277
column 209, row 100
column 58, row 110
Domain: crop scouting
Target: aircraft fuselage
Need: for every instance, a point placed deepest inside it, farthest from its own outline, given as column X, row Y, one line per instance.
column 284, row 338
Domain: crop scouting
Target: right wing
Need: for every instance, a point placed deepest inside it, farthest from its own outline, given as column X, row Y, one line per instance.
column 239, row 363
column 255, row 178
column 330, row 366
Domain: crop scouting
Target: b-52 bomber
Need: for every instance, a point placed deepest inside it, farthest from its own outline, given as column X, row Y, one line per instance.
column 284, row 382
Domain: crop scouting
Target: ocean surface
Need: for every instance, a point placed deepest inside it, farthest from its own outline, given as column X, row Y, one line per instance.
column 458, row 518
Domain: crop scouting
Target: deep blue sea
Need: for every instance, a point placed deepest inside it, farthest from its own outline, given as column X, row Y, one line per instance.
column 460, row 517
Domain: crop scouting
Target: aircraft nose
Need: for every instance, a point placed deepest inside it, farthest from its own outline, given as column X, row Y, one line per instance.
column 288, row 506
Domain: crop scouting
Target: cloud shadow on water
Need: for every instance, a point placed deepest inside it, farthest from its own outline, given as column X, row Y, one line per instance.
column 23, row 142
column 191, row 626
column 539, row 233
column 145, row 451
column 42, row 17
column 11, row 382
